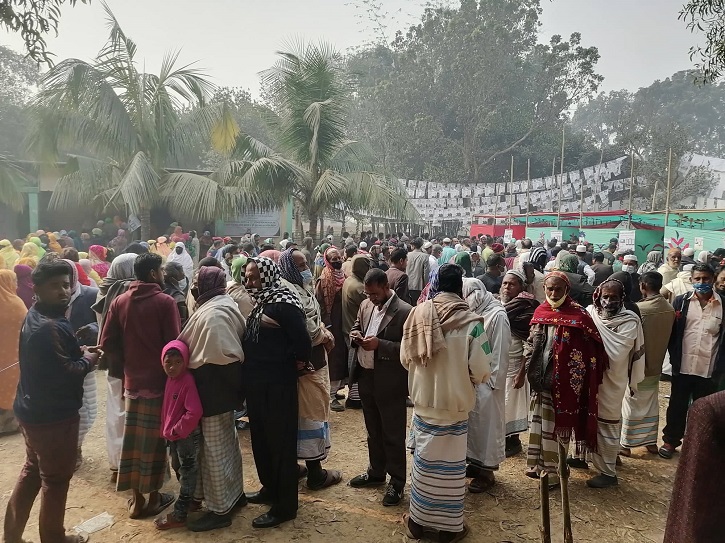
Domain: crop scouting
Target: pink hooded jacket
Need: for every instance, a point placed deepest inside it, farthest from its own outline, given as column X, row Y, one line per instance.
column 181, row 410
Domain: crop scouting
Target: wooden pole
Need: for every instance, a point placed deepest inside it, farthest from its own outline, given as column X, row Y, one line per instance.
column 553, row 176
column 495, row 207
column 528, row 189
column 511, row 188
column 564, row 479
column 631, row 188
column 581, row 204
column 561, row 176
column 545, row 528
column 599, row 174
column 669, row 182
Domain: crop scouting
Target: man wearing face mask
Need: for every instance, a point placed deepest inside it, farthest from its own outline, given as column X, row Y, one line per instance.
column 621, row 333
column 630, row 266
column 495, row 268
column 696, row 353
column 313, row 436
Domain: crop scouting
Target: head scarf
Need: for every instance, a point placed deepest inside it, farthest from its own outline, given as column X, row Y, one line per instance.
column 238, row 268
column 8, row 254
column 184, row 259
column 272, row 254
column 569, row 263
column 9, row 299
column 119, row 278
column 162, row 246
column 25, row 284
column 518, row 274
column 210, row 282
column 271, row 292
column 97, row 255
column 122, row 267
column 537, row 258
column 31, row 250
column 331, row 280
column 53, row 244
column 36, row 241
column 433, row 283
column 597, row 295
column 464, row 261
column 289, row 269
column 703, row 256
column 180, row 346
column 477, row 297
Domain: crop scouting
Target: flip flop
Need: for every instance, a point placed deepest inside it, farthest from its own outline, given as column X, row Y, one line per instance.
column 479, row 485
column 168, row 522
column 301, row 472
column 332, row 477
column 164, row 501
column 131, row 506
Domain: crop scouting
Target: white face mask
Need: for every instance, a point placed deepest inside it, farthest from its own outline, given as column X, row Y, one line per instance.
column 629, row 268
column 183, row 283
column 306, row 277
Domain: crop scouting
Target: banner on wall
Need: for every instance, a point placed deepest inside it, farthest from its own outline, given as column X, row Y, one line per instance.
column 265, row 224
column 699, row 243
column 558, row 235
column 508, row 235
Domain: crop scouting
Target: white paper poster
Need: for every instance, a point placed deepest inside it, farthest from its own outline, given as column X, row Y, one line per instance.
column 508, row 235
column 133, row 223
column 558, row 235
column 626, row 240
column 699, row 244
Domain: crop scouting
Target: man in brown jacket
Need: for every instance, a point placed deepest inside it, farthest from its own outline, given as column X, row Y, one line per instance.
column 383, row 384
column 397, row 278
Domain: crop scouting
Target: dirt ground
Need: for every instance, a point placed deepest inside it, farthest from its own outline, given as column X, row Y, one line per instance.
column 635, row 511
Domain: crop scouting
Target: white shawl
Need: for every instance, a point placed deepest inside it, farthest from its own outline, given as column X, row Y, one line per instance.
column 214, row 333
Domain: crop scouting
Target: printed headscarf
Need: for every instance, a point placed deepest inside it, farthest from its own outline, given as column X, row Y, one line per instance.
column 569, row 263
column 537, row 258
column 331, row 280
column 433, row 283
column 653, row 262
column 464, row 261
column 597, row 296
column 271, row 292
column 210, row 282
column 289, row 269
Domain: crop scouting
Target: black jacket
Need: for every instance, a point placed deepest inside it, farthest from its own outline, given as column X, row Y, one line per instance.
column 682, row 306
column 52, row 368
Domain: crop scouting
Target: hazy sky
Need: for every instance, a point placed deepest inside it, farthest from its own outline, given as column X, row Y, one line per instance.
column 639, row 40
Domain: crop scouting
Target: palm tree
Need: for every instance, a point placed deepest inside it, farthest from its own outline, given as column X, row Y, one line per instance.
column 311, row 158
column 12, row 178
column 118, row 128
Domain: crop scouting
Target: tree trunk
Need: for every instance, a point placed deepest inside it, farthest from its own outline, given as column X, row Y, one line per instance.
column 323, row 234
column 299, row 229
column 312, row 217
column 145, row 217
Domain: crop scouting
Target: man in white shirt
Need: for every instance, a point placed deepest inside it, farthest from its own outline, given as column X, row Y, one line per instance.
column 696, row 353
column 428, row 248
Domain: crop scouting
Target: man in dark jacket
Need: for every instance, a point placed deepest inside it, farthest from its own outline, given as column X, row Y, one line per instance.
column 696, row 352
column 139, row 323
column 383, row 384
column 602, row 271
column 397, row 278
column 49, row 395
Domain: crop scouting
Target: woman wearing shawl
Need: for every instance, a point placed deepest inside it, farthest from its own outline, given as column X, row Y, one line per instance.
column 119, row 243
column 53, row 244
column 90, row 272
column 178, row 235
column 487, row 420
column 192, row 247
column 31, row 250
column 277, row 349
column 97, row 255
column 180, row 255
column 313, row 438
column 320, row 259
column 235, row 287
column 580, row 291
column 654, row 261
column 538, row 259
column 621, row 333
column 35, row 240
column 214, row 336
column 565, row 366
column 272, row 254
column 11, row 321
column 119, row 278
column 8, row 254
column 464, row 261
column 25, row 284
column 329, row 295
column 162, row 247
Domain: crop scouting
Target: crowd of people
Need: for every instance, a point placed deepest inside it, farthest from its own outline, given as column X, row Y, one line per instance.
column 204, row 336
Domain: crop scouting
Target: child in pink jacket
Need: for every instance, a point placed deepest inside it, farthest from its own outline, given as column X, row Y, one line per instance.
column 180, row 416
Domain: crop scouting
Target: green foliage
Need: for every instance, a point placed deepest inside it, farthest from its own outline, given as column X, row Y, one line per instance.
column 707, row 16
column 34, row 19
column 469, row 86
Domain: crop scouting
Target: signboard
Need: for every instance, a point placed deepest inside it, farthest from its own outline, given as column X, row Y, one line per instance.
column 508, row 235
column 558, row 235
column 133, row 223
column 626, row 240
column 699, row 244
column 265, row 224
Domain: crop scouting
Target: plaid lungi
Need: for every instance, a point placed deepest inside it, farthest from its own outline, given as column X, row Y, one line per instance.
column 143, row 455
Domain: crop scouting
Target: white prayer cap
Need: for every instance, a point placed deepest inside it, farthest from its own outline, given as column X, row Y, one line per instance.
column 689, row 252
column 427, row 245
column 446, row 240
column 581, row 248
column 630, row 258
column 363, row 245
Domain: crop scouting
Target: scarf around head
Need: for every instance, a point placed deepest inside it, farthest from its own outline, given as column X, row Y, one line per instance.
column 579, row 360
column 271, row 292
column 520, row 310
column 210, row 282
column 653, row 262
column 289, row 269
column 25, row 284
column 464, row 261
column 238, row 268
column 331, row 281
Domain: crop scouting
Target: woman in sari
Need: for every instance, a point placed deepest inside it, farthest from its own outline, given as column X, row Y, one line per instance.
column 313, row 436
column 24, row 284
column 162, row 247
column 53, row 244
column 90, row 272
column 31, row 250
column 329, row 295
column 11, row 321
column 236, row 288
column 464, row 261
column 320, row 259
column 8, row 254
column 214, row 336
column 35, row 240
column 97, row 255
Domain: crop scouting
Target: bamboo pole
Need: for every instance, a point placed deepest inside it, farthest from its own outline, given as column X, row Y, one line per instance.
column 528, row 189
column 669, row 182
column 565, row 509
column 553, row 176
column 599, row 172
column 581, row 204
column 545, row 528
column 495, row 207
column 511, row 188
column 631, row 189
column 561, row 176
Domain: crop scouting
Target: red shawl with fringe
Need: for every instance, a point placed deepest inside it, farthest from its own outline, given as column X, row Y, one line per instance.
column 579, row 361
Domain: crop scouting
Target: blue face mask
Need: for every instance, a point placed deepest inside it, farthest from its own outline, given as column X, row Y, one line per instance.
column 702, row 288
column 306, row 277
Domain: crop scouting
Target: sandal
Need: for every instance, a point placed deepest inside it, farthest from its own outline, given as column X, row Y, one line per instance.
column 81, row 537
column 626, row 452
column 479, row 485
column 332, row 477
column 135, row 511
column 168, row 522
column 301, row 472
column 164, row 501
